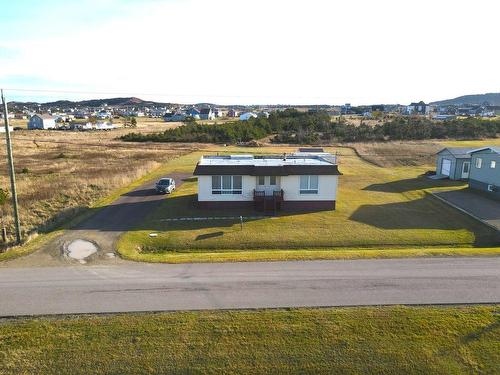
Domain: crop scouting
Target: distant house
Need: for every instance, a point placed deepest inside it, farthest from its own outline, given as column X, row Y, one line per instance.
column 2, row 129
column 454, row 163
column 219, row 112
column 443, row 117
column 232, row 113
column 485, row 171
column 207, row 114
column 43, row 121
column 174, row 117
column 302, row 180
column 345, row 109
column 419, row 108
column 247, row 116
column 193, row 112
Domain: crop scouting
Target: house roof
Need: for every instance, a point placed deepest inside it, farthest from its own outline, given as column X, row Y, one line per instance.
column 45, row 116
column 205, row 111
column 458, row 152
column 275, row 165
column 494, row 149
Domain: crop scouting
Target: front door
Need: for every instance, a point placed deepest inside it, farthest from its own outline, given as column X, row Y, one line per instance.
column 269, row 184
column 465, row 169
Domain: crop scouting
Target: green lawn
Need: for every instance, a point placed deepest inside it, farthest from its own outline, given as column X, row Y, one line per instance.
column 385, row 340
column 377, row 209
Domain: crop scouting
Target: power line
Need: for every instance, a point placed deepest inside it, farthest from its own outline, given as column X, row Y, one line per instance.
column 11, row 170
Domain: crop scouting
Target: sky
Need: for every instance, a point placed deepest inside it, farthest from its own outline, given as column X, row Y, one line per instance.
column 249, row 51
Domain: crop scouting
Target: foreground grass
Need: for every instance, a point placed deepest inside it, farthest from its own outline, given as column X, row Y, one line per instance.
column 388, row 340
column 381, row 212
column 128, row 250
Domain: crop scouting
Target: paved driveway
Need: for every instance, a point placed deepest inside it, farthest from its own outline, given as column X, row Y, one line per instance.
column 482, row 208
column 103, row 228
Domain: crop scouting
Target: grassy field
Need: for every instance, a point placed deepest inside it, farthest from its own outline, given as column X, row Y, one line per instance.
column 378, row 209
column 59, row 173
column 411, row 153
column 384, row 340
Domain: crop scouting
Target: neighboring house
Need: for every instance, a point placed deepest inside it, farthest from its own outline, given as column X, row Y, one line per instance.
column 44, row 121
column 207, row 114
column 247, row 116
column 419, row 108
column 485, row 170
column 302, row 180
column 453, row 162
column 263, row 114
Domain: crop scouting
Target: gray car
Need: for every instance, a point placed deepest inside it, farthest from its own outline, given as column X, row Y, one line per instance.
column 165, row 185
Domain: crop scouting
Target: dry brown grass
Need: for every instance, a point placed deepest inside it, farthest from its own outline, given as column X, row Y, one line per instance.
column 411, row 153
column 398, row 153
column 68, row 171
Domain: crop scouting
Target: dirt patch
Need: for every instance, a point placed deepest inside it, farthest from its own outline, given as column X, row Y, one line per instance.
column 80, row 249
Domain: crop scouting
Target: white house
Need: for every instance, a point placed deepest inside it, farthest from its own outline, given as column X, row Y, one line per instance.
column 44, row 121
column 305, row 180
column 247, row 115
column 207, row 114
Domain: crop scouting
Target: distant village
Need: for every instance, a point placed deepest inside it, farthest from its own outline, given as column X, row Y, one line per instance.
column 99, row 116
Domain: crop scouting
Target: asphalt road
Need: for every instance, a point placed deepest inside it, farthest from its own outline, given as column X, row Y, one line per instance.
column 161, row 287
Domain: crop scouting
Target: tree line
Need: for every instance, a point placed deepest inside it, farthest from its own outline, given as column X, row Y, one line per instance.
column 292, row 126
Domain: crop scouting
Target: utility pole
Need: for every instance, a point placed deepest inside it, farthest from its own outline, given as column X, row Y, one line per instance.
column 11, row 170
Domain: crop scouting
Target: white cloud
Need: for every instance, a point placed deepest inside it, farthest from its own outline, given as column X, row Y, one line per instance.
column 272, row 51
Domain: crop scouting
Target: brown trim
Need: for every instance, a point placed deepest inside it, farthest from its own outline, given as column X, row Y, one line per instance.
column 308, row 205
column 285, row 205
column 251, row 170
column 225, row 204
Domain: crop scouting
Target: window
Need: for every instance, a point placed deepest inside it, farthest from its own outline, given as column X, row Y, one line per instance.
column 479, row 162
column 261, row 180
column 308, row 184
column 226, row 184
column 466, row 167
column 272, row 180
column 493, row 164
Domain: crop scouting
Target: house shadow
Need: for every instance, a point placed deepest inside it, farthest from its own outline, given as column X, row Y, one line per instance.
column 418, row 214
column 417, row 183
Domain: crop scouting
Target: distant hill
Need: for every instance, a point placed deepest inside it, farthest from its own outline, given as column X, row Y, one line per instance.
column 491, row 98
column 132, row 101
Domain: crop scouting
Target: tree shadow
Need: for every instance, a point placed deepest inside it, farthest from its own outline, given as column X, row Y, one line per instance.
column 417, row 183
column 421, row 214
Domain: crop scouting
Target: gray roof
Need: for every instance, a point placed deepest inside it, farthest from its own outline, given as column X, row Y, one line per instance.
column 458, row 152
column 44, row 116
column 495, row 149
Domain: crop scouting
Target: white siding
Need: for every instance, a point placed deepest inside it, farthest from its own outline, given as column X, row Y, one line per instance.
column 327, row 189
column 205, row 190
